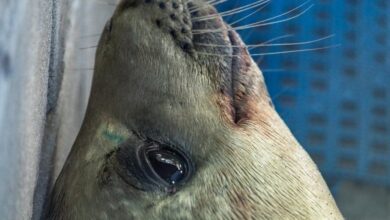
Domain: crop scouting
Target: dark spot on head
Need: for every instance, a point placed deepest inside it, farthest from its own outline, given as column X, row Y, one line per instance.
column 175, row 5
column 190, row 5
column 162, row 5
column 151, row 205
column 173, row 17
column 185, row 20
column 186, row 46
column 184, row 30
column 105, row 177
column 173, row 33
column 107, row 156
column 158, row 23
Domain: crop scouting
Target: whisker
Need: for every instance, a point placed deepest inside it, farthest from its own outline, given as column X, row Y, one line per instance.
column 256, row 24
column 267, row 43
column 89, row 47
column 296, row 51
column 83, row 69
column 233, row 11
column 278, row 38
column 211, row 1
column 288, row 12
column 197, row 8
column 272, row 70
column 206, row 1
column 249, row 15
column 272, row 53
column 89, row 36
column 277, row 95
column 259, row 59
column 292, row 44
column 217, row 2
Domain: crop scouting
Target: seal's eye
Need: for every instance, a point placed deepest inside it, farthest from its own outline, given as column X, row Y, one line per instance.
column 152, row 165
column 168, row 165
column 164, row 165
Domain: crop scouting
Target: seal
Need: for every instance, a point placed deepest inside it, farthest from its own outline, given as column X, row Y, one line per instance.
column 180, row 126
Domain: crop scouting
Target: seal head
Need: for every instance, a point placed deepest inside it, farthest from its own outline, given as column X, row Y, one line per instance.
column 180, row 126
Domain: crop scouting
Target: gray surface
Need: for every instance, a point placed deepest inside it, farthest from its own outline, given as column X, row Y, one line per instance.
column 364, row 202
column 25, row 44
column 87, row 19
column 41, row 108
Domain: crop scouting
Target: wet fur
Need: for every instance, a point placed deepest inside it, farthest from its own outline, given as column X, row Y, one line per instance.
column 248, row 164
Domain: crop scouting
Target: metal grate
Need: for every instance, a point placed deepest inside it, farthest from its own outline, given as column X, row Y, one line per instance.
column 336, row 101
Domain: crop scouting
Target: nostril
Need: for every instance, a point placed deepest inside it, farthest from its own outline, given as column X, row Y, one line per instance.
column 173, row 17
column 175, row 5
column 175, row 23
column 162, row 5
column 185, row 20
column 158, row 23
column 190, row 5
column 186, row 47
column 173, row 34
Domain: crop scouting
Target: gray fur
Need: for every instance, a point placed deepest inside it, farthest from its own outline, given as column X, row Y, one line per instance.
column 146, row 82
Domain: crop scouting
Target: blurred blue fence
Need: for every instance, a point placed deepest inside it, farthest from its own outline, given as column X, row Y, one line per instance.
column 337, row 100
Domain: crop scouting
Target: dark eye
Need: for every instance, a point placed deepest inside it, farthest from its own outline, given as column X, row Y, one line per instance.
column 154, row 165
column 164, row 165
column 167, row 165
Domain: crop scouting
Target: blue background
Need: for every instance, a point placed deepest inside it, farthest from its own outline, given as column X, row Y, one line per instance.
column 336, row 101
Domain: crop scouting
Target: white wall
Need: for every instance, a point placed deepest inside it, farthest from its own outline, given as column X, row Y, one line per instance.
column 44, row 87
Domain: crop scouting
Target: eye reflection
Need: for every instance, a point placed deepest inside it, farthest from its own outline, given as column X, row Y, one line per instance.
column 164, row 165
column 168, row 165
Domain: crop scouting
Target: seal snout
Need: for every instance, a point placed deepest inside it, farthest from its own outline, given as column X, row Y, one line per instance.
column 217, row 44
column 172, row 17
column 237, row 77
column 194, row 33
column 241, row 79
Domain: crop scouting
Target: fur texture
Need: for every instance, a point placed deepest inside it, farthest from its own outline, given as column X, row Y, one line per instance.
column 156, row 76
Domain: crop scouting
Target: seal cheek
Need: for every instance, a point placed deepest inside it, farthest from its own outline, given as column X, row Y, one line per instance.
column 241, row 204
